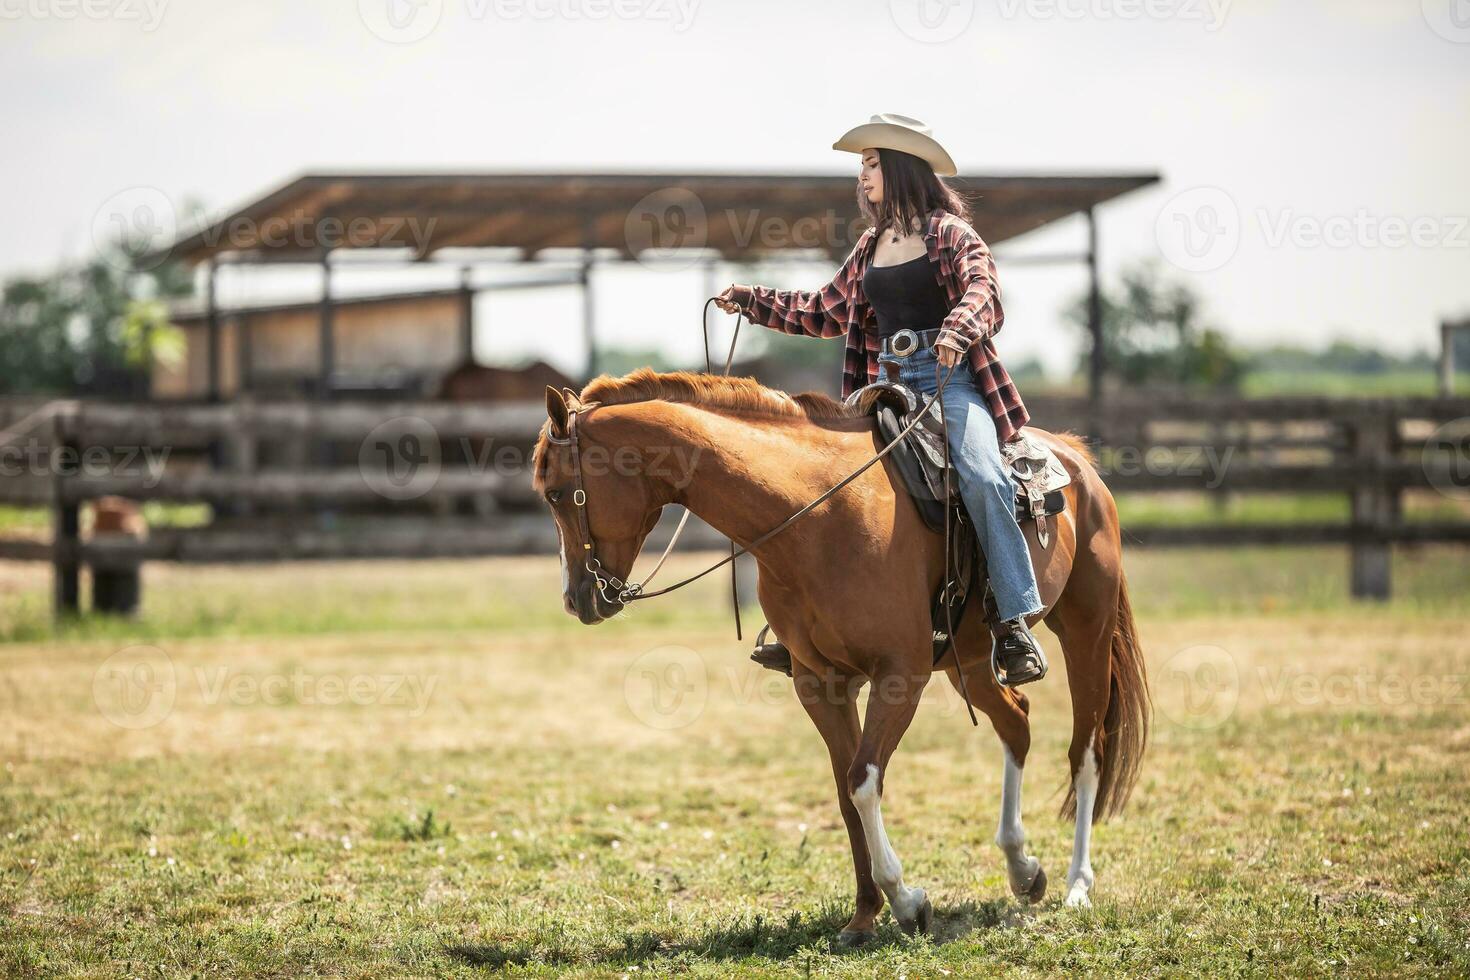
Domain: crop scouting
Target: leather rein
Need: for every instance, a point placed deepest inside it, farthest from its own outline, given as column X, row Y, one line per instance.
column 630, row 591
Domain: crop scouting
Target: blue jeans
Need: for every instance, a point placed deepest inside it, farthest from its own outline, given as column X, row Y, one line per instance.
column 985, row 483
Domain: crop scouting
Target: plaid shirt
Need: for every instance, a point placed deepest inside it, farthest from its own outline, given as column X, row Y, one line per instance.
column 962, row 265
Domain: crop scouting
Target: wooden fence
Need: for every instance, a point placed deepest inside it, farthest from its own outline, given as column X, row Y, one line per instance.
column 289, row 481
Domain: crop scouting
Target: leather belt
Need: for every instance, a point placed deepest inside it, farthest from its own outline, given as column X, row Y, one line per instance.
column 904, row 342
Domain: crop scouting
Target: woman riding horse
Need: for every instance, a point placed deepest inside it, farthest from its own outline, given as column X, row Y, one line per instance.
column 919, row 291
column 825, row 520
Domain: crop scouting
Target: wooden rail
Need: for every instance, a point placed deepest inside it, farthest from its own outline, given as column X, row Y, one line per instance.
column 271, row 470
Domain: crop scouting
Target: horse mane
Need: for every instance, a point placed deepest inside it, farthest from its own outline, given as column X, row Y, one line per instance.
column 1078, row 444
column 715, row 391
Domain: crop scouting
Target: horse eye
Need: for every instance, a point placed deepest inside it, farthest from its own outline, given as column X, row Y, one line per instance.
column 552, row 496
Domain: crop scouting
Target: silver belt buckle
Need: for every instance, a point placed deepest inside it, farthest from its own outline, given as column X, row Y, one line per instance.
column 904, row 342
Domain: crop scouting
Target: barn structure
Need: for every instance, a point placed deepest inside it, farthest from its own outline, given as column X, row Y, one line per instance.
column 541, row 230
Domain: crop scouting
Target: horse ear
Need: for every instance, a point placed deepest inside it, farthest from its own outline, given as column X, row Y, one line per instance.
column 573, row 399
column 556, row 410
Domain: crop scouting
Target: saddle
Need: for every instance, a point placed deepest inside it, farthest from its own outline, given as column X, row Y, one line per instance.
column 920, row 459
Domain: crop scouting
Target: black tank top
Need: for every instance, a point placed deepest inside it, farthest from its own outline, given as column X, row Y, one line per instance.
column 905, row 295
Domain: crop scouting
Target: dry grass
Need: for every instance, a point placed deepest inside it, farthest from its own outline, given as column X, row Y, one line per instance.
column 564, row 800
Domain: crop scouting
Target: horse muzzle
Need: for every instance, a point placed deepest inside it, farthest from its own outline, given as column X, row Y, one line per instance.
column 590, row 606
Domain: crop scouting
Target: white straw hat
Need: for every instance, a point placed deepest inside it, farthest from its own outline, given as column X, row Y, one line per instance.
column 891, row 131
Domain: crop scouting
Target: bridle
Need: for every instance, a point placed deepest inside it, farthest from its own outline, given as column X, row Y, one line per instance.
column 630, row 591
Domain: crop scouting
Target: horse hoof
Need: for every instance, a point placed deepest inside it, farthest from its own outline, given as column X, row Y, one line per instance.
column 1038, row 887
column 1078, row 898
column 923, row 920
column 853, row 938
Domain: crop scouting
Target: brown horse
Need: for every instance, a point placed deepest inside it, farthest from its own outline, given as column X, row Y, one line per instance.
column 847, row 588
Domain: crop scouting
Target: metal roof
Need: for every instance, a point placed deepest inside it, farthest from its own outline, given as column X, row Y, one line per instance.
column 741, row 216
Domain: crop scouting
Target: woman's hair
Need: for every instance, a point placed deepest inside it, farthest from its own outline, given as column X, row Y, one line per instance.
column 911, row 189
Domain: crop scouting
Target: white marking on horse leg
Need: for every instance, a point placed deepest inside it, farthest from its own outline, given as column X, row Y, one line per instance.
column 1010, row 836
column 1079, row 876
column 887, row 871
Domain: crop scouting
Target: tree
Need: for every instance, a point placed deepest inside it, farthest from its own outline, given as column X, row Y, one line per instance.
column 86, row 328
column 1153, row 334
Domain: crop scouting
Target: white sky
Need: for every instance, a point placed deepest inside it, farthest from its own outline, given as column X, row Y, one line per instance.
column 1303, row 112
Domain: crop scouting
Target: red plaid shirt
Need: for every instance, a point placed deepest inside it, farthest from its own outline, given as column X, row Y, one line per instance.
column 962, row 265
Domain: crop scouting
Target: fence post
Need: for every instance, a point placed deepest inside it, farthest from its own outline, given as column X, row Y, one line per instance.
column 1375, row 507
column 66, row 524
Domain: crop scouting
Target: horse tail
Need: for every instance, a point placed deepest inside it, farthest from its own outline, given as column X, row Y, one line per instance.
column 1126, row 721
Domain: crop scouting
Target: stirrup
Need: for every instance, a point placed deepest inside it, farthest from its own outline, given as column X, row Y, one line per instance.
column 1037, row 655
column 773, row 655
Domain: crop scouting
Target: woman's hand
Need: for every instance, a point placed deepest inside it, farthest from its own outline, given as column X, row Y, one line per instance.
column 734, row 299
column 948, row 355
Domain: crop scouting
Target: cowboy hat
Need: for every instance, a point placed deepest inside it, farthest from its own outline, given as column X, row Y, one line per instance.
column 891, row 131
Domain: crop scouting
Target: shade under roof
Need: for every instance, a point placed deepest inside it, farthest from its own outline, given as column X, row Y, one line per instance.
column 742, row 216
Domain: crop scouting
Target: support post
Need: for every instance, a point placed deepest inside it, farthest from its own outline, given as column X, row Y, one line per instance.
column 326, row 341
column 245, row 355
column 211, row 334
column 1447, row 357
column 1095, row 363
column 589, row 322
column 66, row 524
column 466, row 318
column 1375, row 508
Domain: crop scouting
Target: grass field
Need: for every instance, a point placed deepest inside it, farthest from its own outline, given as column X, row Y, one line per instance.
column 411, row 769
